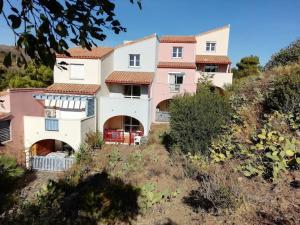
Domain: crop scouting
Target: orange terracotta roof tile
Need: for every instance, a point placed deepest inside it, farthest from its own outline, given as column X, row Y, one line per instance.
column 221, row 59
column 4, row 115
column 176, row 65
column 127, row 77
column 177, row 39
column 80, row 89
column 83, row 53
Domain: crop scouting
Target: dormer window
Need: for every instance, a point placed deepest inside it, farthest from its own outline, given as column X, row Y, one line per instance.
column 177, row 52
column 134, row 60
column 211, row 46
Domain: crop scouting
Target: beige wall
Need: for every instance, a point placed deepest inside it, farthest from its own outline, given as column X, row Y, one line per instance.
column 107, row 67
column 92, row 70
column 219, row 35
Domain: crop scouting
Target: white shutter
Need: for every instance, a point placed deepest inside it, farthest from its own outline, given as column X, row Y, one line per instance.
column 77, row 71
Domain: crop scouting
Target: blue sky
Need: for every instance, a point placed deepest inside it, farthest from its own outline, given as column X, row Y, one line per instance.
column 258, row 27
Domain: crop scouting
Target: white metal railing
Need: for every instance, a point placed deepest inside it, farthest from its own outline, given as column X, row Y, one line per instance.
column 174, row 88
column 51, row 163
column 162, row 116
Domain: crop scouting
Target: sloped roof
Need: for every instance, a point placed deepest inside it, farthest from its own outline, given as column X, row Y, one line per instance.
column 176, row 65
column 220, row 59
column 136, row 41
column 80, row 89
column 83, row 53
column 214, row 30
column 177, row 39
column 128, row 77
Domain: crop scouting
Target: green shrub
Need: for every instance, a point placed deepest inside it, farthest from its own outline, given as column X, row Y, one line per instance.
column 285, row 56
column 9, row 173
column 94, row 139
column 285, row 94
column 196, row 119
column 83, row 155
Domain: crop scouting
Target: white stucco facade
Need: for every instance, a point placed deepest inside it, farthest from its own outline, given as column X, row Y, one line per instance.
column 92, row 71
column 220, row 36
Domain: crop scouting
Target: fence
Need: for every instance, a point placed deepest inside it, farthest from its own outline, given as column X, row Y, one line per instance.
column 51, row 163
column 162, row 116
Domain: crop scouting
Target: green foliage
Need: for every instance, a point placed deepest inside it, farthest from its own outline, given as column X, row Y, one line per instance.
column 285, row 56
column 197, row 119
column 83, row 155
column 9, row 173
column 97, row 199
column 248, row 66
column 113, row 158
column 284, row 95
column 134, row 162
column 149, row 196
column 47, row 27
column 32, row 76
column 94, row 139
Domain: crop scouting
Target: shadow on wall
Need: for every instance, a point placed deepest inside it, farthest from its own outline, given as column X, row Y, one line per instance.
column 98, row 198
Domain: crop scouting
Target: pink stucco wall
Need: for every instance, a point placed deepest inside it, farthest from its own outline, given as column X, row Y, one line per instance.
column 161, row 87
column 21, row 104
column 166, row 50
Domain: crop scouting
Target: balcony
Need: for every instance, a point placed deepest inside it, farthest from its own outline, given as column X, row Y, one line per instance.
column 70, row 131
column 162, row 116
column 218, row 79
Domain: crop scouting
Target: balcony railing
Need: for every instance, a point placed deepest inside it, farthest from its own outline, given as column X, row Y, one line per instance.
column 162, row 116
column 174, row 88
column 51, row 124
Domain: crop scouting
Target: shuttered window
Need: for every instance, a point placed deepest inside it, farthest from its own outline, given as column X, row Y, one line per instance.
column 77, row 72
column 4, row 131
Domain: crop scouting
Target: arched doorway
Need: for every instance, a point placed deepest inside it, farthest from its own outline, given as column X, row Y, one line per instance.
column 162, row 111
column 51, row 155
column 48, row 146
column 122, row 129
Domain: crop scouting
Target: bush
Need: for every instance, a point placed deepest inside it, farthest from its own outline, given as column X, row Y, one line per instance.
column 9, row 173
column 94, row 139
column 285, row 94
column 285, row 56
column 212, row 196
column 196, row 119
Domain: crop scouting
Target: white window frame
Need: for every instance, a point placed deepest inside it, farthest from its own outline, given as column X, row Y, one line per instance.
column 177, row 52
column 210, row 66
column 130, row 125
column 136, row 59
column 175, row 87
column 131, row 92
column 208, row 46
column 77, row 77
column 10, row 133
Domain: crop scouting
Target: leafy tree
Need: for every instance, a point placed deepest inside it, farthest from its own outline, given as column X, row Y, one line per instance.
column 7, row 60
column 248, row 66
column 285, row 56
column 32, row 76
column 196, row 119
column 44, row 27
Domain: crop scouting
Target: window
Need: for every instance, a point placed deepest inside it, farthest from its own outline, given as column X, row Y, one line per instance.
column 134, row 60
column 175, row 80
column 177, row 52
column 210, row 46
column 131, row 124
column 76, row 71
column 4, row 131
column 132, row 91
column 211, row 68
